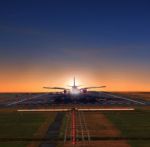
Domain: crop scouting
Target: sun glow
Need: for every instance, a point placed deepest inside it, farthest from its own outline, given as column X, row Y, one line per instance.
column 70, row 82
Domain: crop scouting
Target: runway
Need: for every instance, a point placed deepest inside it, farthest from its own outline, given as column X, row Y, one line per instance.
column 98, row 98
column 76, row 128
column 53, row 131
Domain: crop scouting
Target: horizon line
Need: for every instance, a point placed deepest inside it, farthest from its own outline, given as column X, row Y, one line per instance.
column 60, row 91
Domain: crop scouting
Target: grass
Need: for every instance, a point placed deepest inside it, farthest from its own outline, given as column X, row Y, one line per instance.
column 134, row 124
column 12, row 144
column 19, row 125
column 15, row 124
column 140, row 143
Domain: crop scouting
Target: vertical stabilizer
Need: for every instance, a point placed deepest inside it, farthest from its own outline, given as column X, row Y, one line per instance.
column 74, row 82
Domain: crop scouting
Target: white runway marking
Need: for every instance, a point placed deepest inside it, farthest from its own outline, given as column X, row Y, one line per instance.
column 88, row 109
column 43, row 110
column 120, row 97
column 107, row 109
column 17, row 102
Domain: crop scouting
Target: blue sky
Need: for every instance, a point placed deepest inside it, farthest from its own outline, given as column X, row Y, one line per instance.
column 102, row 36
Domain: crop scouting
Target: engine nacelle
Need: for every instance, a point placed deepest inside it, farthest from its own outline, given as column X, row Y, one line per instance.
column 84, row 90
column 65, row 91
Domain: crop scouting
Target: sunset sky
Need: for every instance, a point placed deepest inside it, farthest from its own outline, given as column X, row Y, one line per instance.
column 47, row 43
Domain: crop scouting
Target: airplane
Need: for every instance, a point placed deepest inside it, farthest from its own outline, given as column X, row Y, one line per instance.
column 74, row 89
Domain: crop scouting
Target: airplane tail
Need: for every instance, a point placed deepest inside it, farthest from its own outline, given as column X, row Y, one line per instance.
column 74, row 82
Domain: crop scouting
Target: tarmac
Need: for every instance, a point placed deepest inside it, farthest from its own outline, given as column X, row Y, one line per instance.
column 53, row 131
column 91, row 98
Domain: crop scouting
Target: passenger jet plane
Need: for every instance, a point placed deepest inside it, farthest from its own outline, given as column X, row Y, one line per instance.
column 74, row 89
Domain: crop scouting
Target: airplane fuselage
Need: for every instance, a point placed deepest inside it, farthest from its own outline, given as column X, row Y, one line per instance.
column 75, row 90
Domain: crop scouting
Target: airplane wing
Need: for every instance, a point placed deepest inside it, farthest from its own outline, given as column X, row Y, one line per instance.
column 61, row 88
column 93, row 87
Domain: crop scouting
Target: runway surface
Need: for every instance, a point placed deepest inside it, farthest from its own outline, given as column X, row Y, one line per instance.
column 91, row 98
column 53, row 131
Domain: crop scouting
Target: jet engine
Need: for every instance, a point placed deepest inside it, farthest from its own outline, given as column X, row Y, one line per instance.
column 84, row 90
column 65, row 91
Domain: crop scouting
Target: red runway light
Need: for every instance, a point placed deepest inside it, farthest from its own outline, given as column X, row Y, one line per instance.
column 73, row 127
